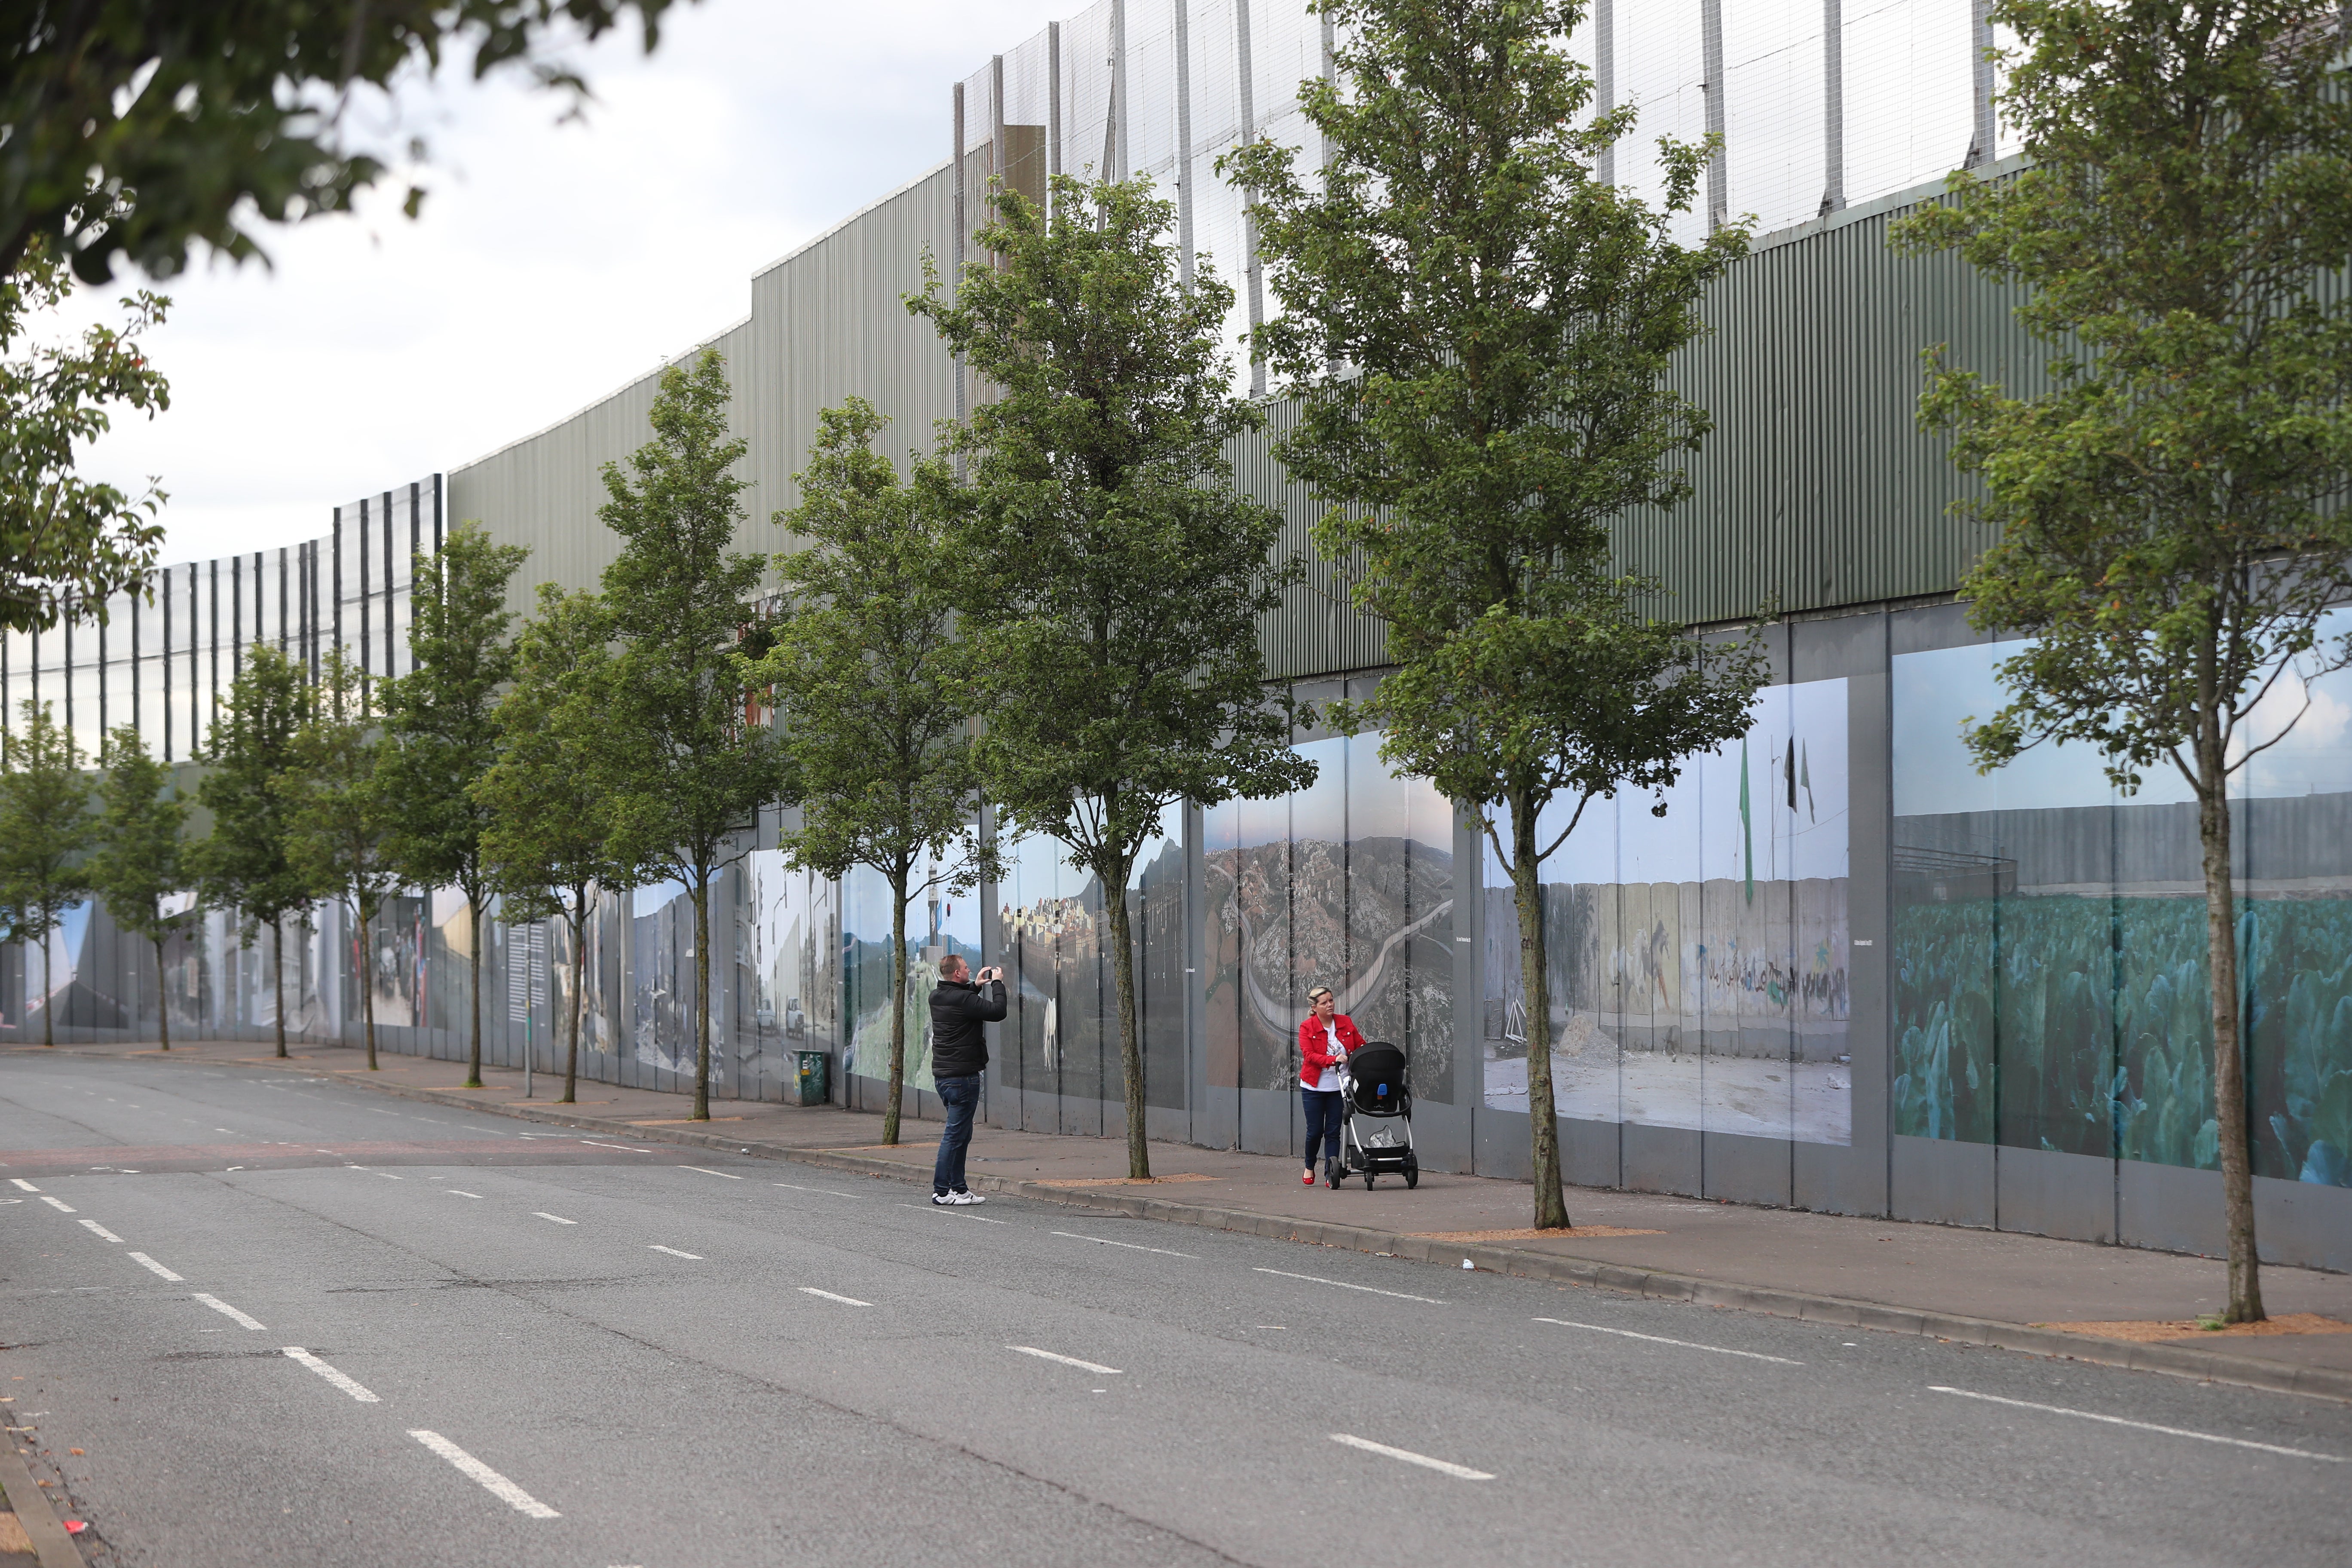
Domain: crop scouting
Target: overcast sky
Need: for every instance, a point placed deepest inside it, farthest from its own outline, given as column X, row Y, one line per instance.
column 553, row 262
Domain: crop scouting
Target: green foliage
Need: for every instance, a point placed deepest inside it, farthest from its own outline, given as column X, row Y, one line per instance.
column 1480, row 331
column 135, row 130
column 1115, row 576
column 47, row 830
column 338, row 822
column 544, row 845
column 876, row 690
column 63, row 536
column 245, row 863
column 682, row 759
column 441, row 732
column 142, row 860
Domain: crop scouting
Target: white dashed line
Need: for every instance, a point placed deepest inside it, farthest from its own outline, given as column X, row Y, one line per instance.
column 225, row 1309
column 844, row 1300
column 1684, row 1344
column 456, row 1193
column 348, row 1385
column 1443, row 1466
column 1131, row 1247
column 828, row 1192
column 955, row 1213
column 1096, row 1367
column 708, row 1172
column 491, row 1481
column 674, row 1252
column 152, row 1267
column 2143, row 1426
column 100, row 1231
column 557, row 1218
column 1342, row 1284
column 27, row 1186
column 57, row 1204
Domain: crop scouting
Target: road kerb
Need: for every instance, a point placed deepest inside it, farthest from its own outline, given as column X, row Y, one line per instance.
column 51, row 1544
column 2176, row 1360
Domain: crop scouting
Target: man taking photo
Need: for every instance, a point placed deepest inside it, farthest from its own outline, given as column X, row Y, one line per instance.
column 960, row 1007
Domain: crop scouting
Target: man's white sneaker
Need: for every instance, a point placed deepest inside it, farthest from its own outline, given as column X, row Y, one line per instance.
column 944, row 1200
column 966, row 1198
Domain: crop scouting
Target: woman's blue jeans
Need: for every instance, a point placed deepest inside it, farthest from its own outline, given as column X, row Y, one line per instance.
column 1322, row 1120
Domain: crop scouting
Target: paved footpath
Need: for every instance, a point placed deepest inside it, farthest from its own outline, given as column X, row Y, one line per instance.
column 2120, row 1306
column 256, row 1314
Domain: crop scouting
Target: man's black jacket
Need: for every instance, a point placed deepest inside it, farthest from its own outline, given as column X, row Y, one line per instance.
column 959, row 1008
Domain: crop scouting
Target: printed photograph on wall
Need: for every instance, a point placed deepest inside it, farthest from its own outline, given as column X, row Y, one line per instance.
column 1696, row 941
column 938, row 922
column 2051, row 982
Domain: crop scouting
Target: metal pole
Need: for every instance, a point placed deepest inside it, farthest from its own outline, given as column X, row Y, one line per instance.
column 1604, row 80
column 1833, row 105
column 1253, row 272
column 1981, row 147
column 1053, row 111
column 955, row 275
column 1711, row 38
column 1184, row 143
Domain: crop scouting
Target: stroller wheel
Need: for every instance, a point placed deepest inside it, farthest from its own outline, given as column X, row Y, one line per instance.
column 1370, row 1177
column 1411, row 1176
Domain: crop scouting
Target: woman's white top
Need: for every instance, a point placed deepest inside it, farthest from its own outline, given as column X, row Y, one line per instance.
column 1329, row 1083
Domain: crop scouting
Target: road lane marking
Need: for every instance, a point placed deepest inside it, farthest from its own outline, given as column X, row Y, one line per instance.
column 674, row 1252
column 624, row 1148
column 957, row 1212
column 1661, row 1340
column 149, row 1264
column 1342, row 1284
column 708, row 1172
column 844, row 1300
column 2143, row 1426
column 1131, row 1247
column 225, row 1311
column 100, row 1231
column 491, row 1481
column 57, row 1204
column 1096, row 1367
column 456, row 1193
column 1444, row 1467
column 348, row 1385
column 559, row 1219
column 27, row 1186
column 828, row 1192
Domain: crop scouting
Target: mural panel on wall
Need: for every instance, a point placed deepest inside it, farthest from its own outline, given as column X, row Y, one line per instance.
column 1697, row 953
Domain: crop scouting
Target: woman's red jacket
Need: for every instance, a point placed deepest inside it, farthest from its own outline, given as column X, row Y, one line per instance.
column 1312, row 1059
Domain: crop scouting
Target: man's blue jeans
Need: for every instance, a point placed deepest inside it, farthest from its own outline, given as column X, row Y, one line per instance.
column 960, row 1095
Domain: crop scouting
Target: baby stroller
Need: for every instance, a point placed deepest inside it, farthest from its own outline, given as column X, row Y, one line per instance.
column 1375, row 1117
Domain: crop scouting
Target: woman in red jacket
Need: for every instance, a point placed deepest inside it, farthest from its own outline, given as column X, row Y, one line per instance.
column 1326, row 1038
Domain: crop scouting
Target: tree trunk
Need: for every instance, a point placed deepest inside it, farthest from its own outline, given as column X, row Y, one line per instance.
column 2228, row 1056
column 1130, row 1039
column 278, row 984
column 367, row 990
column 1543, row 1121
column 162, row 1000
column 474, row 990
column 897, row 1009
column 579, row 978
column 701, row 995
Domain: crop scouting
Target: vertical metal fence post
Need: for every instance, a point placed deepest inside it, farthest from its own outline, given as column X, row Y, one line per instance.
column 1711, row 43
column 1253, row 268
column 955, row 262
column 1053, row 111
column 1833, row 106
column 1604, row 80
column 1183, row 10
column 1982, row 148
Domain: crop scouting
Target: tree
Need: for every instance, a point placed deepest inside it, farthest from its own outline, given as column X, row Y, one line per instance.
column 142, row 860
column 63, row 537
column 2171, row 508
column 545, row 843
column 46, row 832
column 1480, row 329
column 247, row 862
column 137, row 131
column 683, row 759
column 1116, row 576
column 340, row 825
column 441, row 732
column 877, row 693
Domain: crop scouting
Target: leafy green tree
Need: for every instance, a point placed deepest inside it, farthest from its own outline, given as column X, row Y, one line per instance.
column 441, row 732
column 62, row 536
column 143, row 863
column 136, row 131
column 876, row 691
column 1115, row 575
column 340, row 823
column 2171, row 509
column 1480, row 330
column 683, row 759
column 545, row 843
column 247, row 862
column 47, row 830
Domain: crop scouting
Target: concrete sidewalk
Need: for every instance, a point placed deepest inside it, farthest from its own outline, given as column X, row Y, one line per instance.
column 2121, row 1306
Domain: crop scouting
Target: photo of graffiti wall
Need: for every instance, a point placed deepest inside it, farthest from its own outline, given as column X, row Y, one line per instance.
column 2051, row 982
column 1695, row 941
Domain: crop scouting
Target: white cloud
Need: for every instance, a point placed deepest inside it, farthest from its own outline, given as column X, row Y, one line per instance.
column 553, row 261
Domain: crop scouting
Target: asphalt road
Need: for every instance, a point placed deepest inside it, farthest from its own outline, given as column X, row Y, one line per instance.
column 287, row 1320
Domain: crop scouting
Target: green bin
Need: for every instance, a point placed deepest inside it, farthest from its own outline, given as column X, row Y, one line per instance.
column 810, row 1077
